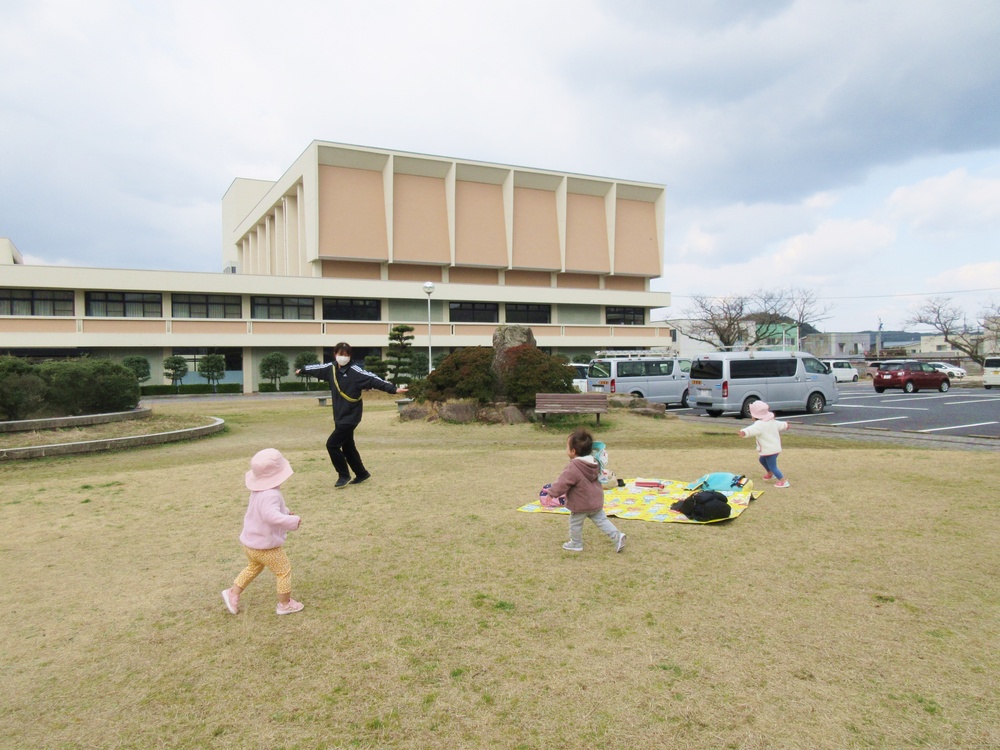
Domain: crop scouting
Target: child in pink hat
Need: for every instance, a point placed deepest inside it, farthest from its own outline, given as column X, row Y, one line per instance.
column 767, row 430
column 265, row 525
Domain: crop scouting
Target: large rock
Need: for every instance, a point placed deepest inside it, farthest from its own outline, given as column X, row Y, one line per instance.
column 504, row 338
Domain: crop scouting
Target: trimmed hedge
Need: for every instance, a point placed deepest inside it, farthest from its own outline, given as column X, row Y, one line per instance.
column 190, row 389
column 294, row 387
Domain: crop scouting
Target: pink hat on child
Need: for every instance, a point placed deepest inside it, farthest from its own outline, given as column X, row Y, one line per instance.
column 760, row 410
column 267, row 469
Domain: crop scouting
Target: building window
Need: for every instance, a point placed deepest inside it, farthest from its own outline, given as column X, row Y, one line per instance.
column 625, row 316
column 124, row 304
column 206, row 306
column 192, row 355
column 35, row 302
column 474, row 312
column 517, row 313
column 283, row 308
column 336, row 308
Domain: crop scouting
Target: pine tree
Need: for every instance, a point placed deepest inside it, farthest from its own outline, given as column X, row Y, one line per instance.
column 399, row 356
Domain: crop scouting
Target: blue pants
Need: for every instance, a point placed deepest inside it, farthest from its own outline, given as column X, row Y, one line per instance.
column 770, row 464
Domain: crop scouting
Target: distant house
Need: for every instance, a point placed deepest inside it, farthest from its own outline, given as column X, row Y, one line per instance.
column 837, row 345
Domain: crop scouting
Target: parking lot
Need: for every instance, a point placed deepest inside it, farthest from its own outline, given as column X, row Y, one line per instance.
column 964, row 411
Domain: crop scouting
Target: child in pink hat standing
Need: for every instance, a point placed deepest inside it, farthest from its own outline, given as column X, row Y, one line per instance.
column 767, row 430
column 265, row 525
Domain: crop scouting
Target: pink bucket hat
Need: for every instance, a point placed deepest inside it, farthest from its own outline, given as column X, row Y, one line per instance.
column 760, row 410
column 267, row 469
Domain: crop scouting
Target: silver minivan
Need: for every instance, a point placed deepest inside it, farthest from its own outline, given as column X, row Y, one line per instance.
column 657, row 378
column 787, row 381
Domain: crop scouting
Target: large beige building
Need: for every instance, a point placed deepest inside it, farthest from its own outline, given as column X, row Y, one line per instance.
column 342, row 246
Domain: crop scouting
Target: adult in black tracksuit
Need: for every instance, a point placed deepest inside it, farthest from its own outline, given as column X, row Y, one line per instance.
column 347, row 381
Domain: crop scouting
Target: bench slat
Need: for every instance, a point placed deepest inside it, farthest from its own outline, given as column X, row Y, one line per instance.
column 571, row 403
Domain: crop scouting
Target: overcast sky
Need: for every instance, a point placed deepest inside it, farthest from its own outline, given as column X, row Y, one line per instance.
column 848, row 147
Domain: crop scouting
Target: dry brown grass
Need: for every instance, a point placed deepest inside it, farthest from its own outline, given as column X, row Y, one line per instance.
column 110, row 430
column 858, row 609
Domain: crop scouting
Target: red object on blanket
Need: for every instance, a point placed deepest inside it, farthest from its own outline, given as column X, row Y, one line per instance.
column 658, row 485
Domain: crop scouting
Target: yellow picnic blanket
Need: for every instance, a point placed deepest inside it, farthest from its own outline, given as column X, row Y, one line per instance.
column 644, row 503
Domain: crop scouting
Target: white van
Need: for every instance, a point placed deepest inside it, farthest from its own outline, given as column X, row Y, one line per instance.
column 658, row 378
column 787, row 381
column 843, row 369
column 991, row 371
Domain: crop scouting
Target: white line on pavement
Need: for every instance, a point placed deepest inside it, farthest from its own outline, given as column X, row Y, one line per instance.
column 957, row 427
column 864, row 421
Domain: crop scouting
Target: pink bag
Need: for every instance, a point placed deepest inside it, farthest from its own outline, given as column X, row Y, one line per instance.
column 547, row 501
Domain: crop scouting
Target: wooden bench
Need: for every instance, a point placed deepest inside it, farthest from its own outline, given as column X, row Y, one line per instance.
column 571, row 403
column 323, row 400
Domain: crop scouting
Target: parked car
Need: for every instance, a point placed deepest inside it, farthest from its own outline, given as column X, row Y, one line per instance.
column 952, row 371
column 787, row 381
column 579, row 377
column 910, row 376
column 658, row 378
column 842, row 369
column 991, row 371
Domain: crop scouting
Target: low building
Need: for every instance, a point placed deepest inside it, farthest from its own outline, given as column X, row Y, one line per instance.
column 837, row 345
column 344, row 245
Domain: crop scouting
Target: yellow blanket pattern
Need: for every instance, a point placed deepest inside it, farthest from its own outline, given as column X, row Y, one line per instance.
column 644, row 503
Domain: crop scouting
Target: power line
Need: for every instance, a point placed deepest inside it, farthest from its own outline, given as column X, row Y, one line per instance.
column 878, row 296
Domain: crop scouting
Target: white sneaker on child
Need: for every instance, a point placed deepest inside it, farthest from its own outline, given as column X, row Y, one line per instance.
column 620, row 545
column 571, row 547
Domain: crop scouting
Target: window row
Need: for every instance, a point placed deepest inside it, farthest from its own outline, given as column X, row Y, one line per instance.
column 150, row 305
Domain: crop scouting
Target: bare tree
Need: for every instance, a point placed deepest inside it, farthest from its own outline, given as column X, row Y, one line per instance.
column 991, row 325
column 949, row 320
column 806, row 309
column 737, row 320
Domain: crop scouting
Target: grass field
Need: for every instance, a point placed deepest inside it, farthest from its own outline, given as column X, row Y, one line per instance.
column 858, row 609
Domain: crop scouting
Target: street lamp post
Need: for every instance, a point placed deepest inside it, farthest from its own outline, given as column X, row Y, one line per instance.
column 429, row 290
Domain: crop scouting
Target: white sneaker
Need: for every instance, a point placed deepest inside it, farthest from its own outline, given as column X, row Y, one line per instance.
column 569, row 546
column 621, row 542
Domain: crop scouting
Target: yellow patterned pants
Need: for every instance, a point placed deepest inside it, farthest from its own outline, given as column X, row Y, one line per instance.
column 274, row 560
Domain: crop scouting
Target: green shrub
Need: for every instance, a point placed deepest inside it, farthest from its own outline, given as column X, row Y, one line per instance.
column 527, row 371
column 190, row 389
column 302, row 359
column 294, row 387
column 212, row 367
column 138, row 365
column 89, row 386
column 467, row 373
column 274, row 367
column 175, row 368
column 22, row 391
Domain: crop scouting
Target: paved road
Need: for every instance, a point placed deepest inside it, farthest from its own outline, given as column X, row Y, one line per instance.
column 964, row 417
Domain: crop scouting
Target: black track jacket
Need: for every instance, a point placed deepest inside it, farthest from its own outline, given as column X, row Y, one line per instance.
column 346, row 385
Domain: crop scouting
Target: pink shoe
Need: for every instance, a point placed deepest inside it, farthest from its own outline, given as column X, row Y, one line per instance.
column 782, row 484
column 232, row 602
column 291, row 608
column 769, row 475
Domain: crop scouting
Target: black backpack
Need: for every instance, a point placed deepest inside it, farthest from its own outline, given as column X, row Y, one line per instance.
column 706, row 505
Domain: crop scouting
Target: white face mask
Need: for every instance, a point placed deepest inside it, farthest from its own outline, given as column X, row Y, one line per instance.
column 343, row 360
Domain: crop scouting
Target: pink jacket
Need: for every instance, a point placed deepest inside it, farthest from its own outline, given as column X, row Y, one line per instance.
column 578, row 482
column 267, row 520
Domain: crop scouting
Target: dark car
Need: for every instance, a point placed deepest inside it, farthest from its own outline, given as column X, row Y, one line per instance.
column 910, row 376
